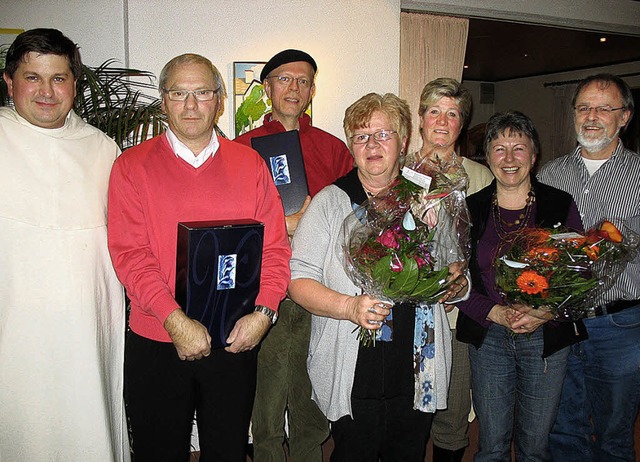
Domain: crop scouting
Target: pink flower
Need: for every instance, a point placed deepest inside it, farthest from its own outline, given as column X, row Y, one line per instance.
column 396, row 264
column 420, row 261
column 388, row 239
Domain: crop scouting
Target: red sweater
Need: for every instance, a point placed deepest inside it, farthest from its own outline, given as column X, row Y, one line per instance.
column 151, row 190
column 326, row 158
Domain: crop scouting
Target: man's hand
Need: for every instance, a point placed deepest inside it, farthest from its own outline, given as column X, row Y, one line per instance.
column 191, row 339
column 247, row 332
column 292, row 220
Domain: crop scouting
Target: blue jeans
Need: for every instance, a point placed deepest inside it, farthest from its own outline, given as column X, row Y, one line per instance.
column 601, row 393
column 515, row 394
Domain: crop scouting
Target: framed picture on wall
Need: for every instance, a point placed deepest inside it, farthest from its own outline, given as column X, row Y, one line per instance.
column 250, row 102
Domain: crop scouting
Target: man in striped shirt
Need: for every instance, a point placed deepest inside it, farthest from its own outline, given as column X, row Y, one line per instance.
column 601, row 393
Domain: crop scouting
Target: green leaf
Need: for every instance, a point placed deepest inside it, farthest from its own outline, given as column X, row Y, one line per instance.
column 407, row 279
column 430, row 286
column 382, row 271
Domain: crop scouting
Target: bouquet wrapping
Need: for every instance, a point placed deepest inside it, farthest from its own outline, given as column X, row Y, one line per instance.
column 398, row 244
column 562, row 275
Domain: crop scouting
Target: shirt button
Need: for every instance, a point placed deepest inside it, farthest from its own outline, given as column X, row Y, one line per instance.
column 586, row 191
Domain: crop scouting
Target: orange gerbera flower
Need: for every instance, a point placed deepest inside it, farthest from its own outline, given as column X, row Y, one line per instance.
column 576, row 241
column 547, row 254
column 591, row 251
column 538, row 235
column 531, row 282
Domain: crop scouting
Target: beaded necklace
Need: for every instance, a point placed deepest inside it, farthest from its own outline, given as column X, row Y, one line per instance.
column 503, row 225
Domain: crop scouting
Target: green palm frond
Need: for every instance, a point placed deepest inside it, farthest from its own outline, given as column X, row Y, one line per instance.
column 117, row 101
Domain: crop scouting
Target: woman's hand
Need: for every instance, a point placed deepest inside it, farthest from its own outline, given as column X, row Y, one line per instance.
column 503, row 315
column 458, row 283
column 366, row 311
column 528, row 319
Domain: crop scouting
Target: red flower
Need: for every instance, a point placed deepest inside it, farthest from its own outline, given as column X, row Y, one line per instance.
column 388, row 239
column 420, row 261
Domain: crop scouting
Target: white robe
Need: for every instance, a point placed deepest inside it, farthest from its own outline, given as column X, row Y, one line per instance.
column 62, row 317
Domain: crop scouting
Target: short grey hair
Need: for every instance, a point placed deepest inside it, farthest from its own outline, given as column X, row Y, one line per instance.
column 192, row 58
column 603, row 81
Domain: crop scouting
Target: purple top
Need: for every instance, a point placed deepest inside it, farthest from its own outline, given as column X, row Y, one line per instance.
column 478, row 306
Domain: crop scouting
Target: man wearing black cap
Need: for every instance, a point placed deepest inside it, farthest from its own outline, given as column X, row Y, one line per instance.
column 283, row 383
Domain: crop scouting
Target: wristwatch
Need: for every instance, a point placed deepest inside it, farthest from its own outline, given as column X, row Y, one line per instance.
column 272, row 315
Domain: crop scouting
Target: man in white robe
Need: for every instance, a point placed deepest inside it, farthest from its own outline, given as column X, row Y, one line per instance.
column 62, row 317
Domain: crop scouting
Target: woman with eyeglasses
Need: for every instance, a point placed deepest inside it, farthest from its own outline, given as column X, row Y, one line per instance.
column 445, row 107
column 366, row 392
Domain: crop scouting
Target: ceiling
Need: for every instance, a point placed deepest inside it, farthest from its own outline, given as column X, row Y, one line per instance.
column 498, row 50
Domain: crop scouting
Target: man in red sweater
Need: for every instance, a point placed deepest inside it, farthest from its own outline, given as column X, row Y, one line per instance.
column 189, row 174
column 283, row 383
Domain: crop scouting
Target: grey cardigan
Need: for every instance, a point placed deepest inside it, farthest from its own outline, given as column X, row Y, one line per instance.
column 333, row 347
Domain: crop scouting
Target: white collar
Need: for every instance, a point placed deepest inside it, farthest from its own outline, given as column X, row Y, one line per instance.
column 182, row 151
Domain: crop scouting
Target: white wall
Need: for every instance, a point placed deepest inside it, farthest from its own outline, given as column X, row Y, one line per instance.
column 97, row 26
column 356, row 48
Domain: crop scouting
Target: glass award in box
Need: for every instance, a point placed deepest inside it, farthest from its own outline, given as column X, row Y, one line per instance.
column 218, row 272
column 283, row 155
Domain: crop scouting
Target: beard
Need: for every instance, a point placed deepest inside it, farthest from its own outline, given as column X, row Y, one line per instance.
column 591, row 144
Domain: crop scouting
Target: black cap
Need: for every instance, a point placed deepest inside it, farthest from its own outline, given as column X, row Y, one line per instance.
column 284, row 57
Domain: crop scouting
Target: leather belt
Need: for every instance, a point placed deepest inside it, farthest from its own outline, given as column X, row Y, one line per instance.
column 614, row 307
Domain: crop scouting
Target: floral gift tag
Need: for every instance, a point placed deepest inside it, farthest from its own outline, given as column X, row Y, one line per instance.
column 424, row 181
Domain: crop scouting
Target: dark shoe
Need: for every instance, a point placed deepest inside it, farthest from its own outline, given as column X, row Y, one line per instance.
column 446, row 455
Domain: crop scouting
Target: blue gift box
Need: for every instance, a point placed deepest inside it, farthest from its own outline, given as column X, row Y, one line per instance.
column 283, row 154
column 218, row 272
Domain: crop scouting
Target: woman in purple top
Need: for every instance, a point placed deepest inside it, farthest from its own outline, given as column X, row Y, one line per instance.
column 518, row 361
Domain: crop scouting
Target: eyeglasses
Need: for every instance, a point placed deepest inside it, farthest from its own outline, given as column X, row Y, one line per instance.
column 382, row 135
column 285, row 80
column 583, row 109
column 182, row 95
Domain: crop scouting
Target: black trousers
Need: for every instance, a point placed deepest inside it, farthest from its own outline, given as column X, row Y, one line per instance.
column 386, row 429
column 162, row 393
column 384, row 425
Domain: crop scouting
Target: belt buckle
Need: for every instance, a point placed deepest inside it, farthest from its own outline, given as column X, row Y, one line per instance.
column 595, row 312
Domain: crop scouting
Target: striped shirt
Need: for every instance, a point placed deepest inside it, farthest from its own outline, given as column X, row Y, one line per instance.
column 611, row 193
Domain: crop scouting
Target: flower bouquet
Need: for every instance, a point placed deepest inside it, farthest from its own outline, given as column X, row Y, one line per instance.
column 560, row 275
column 398, row 244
